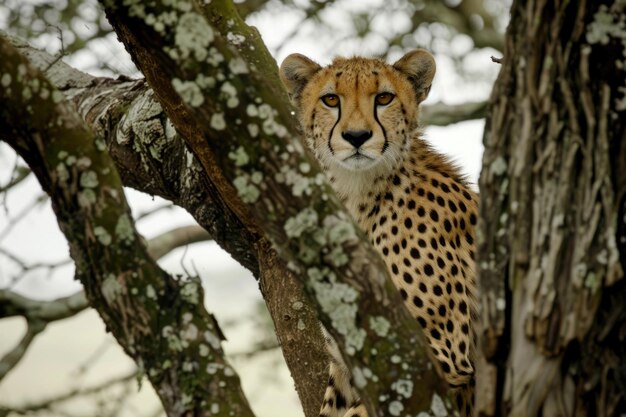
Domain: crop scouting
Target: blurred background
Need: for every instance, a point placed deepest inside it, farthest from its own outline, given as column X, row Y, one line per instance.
column 68, row 365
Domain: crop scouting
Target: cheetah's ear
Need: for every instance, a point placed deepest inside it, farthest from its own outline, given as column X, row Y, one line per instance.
column 295, row 72
column 419, row 66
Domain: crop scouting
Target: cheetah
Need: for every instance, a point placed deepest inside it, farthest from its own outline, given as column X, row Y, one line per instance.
column 360, row 118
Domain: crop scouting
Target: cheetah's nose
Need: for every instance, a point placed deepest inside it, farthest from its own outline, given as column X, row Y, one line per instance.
column 356, row 137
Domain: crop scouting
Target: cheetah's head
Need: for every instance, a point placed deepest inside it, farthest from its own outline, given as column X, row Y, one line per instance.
column 358, row 114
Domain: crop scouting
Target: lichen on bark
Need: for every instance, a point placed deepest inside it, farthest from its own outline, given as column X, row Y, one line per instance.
column 174, row 345
column 252, row 181
column 552, row 189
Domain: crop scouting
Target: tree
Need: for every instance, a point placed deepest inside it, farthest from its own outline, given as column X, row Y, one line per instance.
column 202, row 81
column 552, row 252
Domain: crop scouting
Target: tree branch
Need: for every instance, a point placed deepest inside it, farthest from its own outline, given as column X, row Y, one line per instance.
column 25, row 267
column 142, row 215
column 50, row 402
column 159, row 163
column 121, row 281
column 21, row 173
column 13, row 304
column 133, row 149
column 441, row 114
column 39, row 313
column 12, row 358
column 36, row 202
column 212, row 81
column 163, row 244
column 147, row 151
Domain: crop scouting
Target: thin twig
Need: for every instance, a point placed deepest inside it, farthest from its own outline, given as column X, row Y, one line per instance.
column 25, row 268
column 13, row 357
column 4, row 194
column 50, row 402
column 20, row 216
column 263, row 347
column 20, row 173
column 142, row 215
column 13, row 304
column 62, row 52
column 93, row 358
column 164, row 243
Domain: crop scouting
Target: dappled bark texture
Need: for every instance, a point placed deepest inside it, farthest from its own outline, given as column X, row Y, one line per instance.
column 151, row 157
column 552, row 216
column 297, row 329
column 148, row 153
column 151, row 162
column 158, row 320
column 238, row 124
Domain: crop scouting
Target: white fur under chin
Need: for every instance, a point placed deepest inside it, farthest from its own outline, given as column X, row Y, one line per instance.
column 353, row 183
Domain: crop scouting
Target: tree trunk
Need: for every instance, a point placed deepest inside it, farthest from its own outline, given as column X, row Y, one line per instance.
column 153, row 158
column 157, row 319
column 211, row 90
column 553, row 233
column 233, row 114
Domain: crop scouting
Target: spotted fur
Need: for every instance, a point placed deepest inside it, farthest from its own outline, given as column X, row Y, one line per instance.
column 414, row 205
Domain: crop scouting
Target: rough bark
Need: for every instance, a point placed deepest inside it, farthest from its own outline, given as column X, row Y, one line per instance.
column 134, row 126
column 152, row 158
column 159, row 321
column 299, row 334
column 552, row 252
column 238, row 125
column 147, row 151
column 151, row 162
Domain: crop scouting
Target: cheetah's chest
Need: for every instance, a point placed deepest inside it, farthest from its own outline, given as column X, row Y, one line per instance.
column 426, row 241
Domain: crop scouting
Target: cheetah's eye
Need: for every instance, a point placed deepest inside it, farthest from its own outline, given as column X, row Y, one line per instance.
column 383, row 99
column 331, row 100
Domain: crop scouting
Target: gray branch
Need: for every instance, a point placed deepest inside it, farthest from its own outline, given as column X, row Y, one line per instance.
column 121, row 281
column 441, row 114
column 151, row 157
column 163, row 244
column 12, row 358
column 47, row 403
column 39, row 313
column 13, row 304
